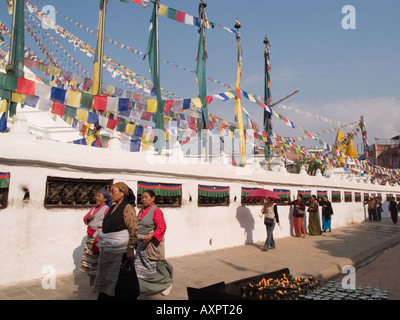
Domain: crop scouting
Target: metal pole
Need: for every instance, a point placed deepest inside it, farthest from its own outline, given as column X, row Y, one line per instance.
column 288, row 96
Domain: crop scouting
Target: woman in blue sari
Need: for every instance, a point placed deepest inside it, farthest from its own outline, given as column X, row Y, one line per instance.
column 327, row 213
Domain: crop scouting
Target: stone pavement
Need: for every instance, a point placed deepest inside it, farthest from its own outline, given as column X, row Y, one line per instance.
column 372, row 247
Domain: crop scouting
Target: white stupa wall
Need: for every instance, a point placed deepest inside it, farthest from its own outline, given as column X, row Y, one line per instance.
column 34, row 236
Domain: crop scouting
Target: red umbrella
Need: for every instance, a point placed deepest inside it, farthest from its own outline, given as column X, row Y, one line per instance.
column 262, row 194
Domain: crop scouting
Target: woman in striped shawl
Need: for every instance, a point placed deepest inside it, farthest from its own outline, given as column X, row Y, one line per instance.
column 153, row 271
column 94, row 220
column 117, row 241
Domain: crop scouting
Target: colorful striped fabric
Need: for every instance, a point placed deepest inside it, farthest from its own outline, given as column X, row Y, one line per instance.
column 160, row 189
column 335, row 194
column 283, row 194
column 306, row 194
column 213, row 191
column 4, row 179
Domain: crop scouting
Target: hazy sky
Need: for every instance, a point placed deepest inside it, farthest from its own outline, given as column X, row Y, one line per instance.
column 341, row 73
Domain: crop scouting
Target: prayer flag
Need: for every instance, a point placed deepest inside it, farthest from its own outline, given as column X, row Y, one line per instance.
column 123, row 104
column 17, row 98
column 201, row 77
column 100, row 103
column 112, row 104
column 98, row 57
column 162, row 10
column 135, row 145
column 92, row 118
column 25, row 86
column 151, row 106
column 58, row 108
column 74, row 98
column 81, row 115
column 112, row 123
column 238, row 106
column 57, row 94
column 154, row 63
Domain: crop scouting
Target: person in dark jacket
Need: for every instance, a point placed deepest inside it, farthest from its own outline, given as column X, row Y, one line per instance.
column 299, row 207
column 327, row 213
column 393, row 210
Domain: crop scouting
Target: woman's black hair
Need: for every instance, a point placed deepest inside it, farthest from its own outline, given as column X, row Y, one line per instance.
column 150, row 192
column 131, row 198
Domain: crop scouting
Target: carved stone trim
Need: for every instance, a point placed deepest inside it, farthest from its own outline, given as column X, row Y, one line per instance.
column 68, row 192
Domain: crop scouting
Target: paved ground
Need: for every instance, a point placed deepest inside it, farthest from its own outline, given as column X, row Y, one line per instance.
column 372, row 247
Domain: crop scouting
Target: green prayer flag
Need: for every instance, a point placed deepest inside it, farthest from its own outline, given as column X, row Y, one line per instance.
column 171, row 13
column 201, row 77
column 154, row 64
column 18, row 39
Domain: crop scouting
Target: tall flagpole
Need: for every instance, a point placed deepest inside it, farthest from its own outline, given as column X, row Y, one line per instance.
column 201, row 63
column 154, row 63
column 98, row 59
column 267, row 101
column 15, row 67
column 364, row 136
column 238, row 104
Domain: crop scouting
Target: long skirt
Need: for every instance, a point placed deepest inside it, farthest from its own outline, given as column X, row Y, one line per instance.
column 108, row 272
column 298, row 224
column 326, row 223
column 314, row 225
column 90, row 259
column 154, row 275
column 394, row 215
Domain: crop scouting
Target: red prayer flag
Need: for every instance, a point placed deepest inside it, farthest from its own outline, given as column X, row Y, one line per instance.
column 136, row 97
column 180, row 16
column 146, row 115
column 100, row 103
column 25, row 86
column 112, row 123
column 58, row 108
column 168, row 105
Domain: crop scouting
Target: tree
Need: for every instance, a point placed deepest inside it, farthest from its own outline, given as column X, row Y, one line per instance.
column 311, row 165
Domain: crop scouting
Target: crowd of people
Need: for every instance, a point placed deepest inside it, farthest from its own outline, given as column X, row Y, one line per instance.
column 271, row 216
column 124, row 253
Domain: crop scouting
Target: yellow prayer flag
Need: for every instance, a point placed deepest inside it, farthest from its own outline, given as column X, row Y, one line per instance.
column 229, row 94
column 251, row 97
column 146, row 143
column 162, row 10
column 74, row 98
column 130, row 128
column 68, row 120
column 90, row 139
column 18, row 97
column 81, row 115
column 151, row 106
column 10, row 7
column 197, row 102
column 167, row 119
column 3, row 107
